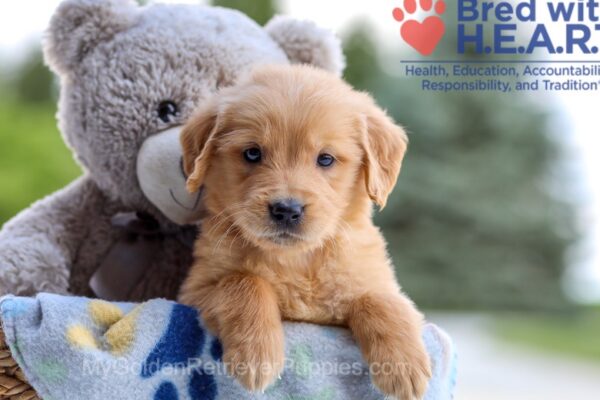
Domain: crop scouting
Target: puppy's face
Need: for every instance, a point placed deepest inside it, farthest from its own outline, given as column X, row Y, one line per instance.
column 289, row 154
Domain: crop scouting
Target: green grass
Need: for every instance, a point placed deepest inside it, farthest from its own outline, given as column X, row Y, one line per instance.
column 576, row 335
column 34, row 161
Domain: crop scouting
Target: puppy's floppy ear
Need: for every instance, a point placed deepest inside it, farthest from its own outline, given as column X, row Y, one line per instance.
column 198, row 145
column 384, row 144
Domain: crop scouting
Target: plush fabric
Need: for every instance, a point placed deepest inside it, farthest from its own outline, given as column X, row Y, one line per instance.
column 117, row 62
column 77, row 348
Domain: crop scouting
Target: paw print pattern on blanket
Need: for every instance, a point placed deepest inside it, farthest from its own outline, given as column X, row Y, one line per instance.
column 166, row 391
column 120, row 328
column 301, row 357
column 182, row 342
column 216, row 350
column 202, row 386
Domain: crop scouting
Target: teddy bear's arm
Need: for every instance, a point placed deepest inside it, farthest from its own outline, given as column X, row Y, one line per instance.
column 37, row 247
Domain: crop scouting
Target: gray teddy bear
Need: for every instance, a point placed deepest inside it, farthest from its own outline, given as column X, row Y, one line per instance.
column 130, row 77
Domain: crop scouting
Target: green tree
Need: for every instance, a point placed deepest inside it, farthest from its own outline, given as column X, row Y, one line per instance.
column 34, row 161
column 33, row 81
column 362, row 68
column 259, row 10
column 472, row 223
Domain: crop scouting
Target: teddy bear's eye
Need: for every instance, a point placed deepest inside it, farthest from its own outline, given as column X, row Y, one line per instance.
column 167, row 111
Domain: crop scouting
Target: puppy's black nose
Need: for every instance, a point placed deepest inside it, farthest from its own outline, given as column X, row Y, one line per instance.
column 287, row 213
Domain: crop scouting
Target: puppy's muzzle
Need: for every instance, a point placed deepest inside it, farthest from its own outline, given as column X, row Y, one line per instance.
column 287, row 214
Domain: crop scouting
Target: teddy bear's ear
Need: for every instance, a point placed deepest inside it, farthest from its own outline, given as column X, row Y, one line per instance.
column 77, row 26
column 306, row 43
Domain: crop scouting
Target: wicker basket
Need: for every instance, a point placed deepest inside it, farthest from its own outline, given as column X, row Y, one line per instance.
column 13, row 384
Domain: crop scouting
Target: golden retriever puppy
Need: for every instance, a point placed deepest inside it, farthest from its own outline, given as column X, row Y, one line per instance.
column 291, row 159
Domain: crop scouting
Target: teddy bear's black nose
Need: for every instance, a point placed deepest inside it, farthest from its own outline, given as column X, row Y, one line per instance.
column 286, row 213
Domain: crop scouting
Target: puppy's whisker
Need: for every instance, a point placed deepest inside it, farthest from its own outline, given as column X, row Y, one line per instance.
column 222, row 237
column 226, row 233
column 234, row 222
column 232, row 207
column 226, row 209
column 216, row 226
column 222, row 221
column 234, row 239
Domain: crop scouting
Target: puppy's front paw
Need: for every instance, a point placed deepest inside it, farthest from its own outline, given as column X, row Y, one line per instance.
column 256, row 363
column 401, row 370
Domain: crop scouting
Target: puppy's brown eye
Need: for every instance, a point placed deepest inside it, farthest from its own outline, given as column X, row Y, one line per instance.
column 325, row 160
column 253, row 155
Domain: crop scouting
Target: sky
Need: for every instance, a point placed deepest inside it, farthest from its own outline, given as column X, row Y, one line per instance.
column 22, row 23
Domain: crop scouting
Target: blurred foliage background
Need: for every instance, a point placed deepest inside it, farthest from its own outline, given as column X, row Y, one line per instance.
column 472, row 223
column 34, row 161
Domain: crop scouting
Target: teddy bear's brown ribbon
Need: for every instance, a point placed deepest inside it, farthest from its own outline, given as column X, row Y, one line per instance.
column 129, row 258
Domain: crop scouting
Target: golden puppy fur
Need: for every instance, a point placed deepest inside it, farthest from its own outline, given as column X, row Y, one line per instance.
column 333, row 267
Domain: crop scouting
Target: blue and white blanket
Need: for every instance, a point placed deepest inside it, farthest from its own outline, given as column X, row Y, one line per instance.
column 78, row 348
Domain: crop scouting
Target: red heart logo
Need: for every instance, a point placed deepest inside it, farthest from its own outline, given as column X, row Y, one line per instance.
column 423, row 36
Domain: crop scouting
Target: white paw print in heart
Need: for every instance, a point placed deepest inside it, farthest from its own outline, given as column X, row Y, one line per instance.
column 422, row 36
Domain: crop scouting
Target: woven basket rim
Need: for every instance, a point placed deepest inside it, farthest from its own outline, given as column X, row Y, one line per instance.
column 13, row 383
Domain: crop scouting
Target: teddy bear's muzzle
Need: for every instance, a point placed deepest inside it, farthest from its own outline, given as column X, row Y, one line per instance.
column 162, row 178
